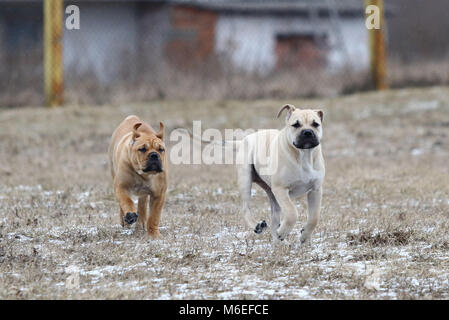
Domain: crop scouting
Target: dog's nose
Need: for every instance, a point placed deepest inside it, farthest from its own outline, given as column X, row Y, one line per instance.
column 307, row 133
column 154, row 156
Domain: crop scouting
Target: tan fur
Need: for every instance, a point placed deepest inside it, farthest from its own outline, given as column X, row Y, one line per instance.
column 127, row 165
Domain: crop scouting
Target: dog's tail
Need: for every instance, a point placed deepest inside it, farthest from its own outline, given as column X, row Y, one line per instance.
column 223, row 143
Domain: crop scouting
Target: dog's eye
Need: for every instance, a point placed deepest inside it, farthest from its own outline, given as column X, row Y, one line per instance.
column 315, row 124
column 161, row 150
column 296, row 124
column 143, row 149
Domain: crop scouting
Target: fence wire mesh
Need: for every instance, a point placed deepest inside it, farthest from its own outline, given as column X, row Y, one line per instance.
column 139, row 50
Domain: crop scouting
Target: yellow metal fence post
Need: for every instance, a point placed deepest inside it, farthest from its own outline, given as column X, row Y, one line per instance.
column 377, row 48
column 53, row 63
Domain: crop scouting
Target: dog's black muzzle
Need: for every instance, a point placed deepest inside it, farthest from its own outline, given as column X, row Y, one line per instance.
column 307, row 139
column 153, row 163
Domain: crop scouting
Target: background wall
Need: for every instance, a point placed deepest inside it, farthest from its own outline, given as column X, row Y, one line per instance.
column 108, row 33
column 419, row 30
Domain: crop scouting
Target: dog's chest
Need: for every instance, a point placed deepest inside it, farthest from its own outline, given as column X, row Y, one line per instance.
column 303, row 180
column 141, row 188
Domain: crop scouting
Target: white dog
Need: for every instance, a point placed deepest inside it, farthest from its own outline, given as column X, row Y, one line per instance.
column 286, row 164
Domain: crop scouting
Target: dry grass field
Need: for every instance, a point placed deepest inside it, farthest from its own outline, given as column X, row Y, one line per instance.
column 383, row 234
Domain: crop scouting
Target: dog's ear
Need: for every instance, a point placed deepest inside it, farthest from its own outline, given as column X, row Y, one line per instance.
column 290, row 108
column 135, row 128
column 320, row 114
column 160, row 134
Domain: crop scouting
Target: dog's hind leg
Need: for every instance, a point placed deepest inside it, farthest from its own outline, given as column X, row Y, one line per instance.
column 275, row 210
column 152, row 225
column 275, row 215
column 142, row 210
column 245, row 181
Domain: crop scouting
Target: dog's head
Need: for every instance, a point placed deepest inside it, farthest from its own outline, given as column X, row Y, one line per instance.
column 147, row 150
column 303, row 126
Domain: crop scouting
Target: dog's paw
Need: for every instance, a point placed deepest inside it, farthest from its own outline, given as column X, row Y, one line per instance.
column 277, row 243
column 260, row 227
column 283, row 231
column 304, row 239
column 154, row 234
column 131, row 217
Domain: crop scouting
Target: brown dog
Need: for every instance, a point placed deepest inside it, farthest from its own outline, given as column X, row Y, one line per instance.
column 139, row 168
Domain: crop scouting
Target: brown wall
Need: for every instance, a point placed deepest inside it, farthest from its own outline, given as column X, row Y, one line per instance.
column 298, row 51
column 192, row 37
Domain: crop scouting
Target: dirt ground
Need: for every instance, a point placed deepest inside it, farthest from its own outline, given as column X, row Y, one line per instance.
column 383, row 232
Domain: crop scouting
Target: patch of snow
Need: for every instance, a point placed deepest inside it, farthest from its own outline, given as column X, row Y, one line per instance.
column 417, row 106
column 417, row 152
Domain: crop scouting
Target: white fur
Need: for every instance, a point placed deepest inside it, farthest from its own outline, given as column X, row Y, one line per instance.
column 290, row 173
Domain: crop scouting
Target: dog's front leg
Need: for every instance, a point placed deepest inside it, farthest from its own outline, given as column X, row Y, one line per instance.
column 156, row 205
column 314, row 206
column 128, row 213
column 288, row 210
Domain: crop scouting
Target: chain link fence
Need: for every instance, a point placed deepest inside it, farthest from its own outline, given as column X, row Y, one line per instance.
column 143, row 50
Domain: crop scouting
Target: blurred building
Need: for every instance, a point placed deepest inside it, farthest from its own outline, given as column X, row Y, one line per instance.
column 253, row 35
